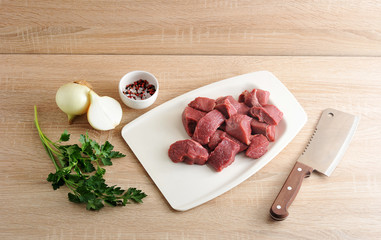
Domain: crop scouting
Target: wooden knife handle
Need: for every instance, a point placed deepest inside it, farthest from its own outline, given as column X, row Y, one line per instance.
column 289, row 190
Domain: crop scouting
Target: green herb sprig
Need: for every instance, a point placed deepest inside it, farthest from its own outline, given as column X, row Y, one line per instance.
column 80, row 169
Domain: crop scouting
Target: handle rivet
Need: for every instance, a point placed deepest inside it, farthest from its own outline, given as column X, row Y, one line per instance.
column 278, row 207
column 299, row 169
column 289, row 188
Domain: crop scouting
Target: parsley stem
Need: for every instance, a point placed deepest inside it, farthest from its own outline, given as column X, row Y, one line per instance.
column 51, row 157
column 96, row 160
column 45, row 140
column 71, row 185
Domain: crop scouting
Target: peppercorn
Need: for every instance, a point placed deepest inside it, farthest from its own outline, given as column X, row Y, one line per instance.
column 139, row 90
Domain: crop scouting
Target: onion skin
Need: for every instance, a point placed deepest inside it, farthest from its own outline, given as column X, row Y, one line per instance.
column 84, row 83
column 73, row 99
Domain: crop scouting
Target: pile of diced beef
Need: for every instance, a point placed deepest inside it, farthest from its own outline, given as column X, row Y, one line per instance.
column 221, row 128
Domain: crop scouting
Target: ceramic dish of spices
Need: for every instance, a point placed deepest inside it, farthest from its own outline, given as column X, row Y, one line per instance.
column 138, row 89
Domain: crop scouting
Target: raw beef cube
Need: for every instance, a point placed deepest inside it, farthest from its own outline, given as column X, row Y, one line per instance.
column 229, row 97
column 207, row 125
column 241, row 97
column 250, row 99
column 226, row 106
column 262, row 96
column 203, row 104
column 239, row 127
column 190, row 118
column 265, row 129
column 223, row 155
column 188, row 151
column 268, row 114
column 243, row 109
column 258, row 146
column 216, row 138
column 255, row 98
column 242, row 146
column 219, row 135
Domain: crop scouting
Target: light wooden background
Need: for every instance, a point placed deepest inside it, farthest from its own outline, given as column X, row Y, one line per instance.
column 327, row 53
column 222, row 27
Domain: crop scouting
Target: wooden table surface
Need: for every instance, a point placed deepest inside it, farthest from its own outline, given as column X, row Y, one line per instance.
column 327, row 53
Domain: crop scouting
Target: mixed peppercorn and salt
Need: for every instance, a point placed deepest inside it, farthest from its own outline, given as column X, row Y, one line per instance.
column 139, row 90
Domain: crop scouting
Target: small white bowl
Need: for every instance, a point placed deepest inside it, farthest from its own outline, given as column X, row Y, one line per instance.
column 132, row 77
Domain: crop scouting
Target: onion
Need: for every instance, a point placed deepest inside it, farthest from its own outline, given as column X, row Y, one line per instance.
column 73, row 99
column 76, row 98
column 105, row 113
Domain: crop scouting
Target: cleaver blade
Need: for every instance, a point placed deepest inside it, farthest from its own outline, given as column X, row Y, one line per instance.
column 324, row 151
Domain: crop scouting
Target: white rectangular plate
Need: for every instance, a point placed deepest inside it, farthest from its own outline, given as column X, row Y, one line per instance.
column 187, row 186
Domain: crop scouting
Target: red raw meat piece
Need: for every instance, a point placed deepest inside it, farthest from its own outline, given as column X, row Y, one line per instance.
column 188, row 151
column 241, row 97
column 219, row 135
column 242, row 108
column 203, row 104
column 223, row 155
column 262, row 96
column 251, row 99
column 207, row 125
column 258, row 146
column 226, row 106
column 255, row 98
column 190, row 118
column 242, row 146
column 216, row 138
column 229, row 97
column 265, row 129
column 239, row 127
column 268, row 114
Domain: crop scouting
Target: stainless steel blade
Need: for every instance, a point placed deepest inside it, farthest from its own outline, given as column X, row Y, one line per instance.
column 330, row 140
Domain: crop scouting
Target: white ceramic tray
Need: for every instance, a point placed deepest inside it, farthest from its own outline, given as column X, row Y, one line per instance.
column 187, row 186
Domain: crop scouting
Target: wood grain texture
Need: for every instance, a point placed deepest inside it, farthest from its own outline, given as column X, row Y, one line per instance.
column 212, row 27
column 347, row 205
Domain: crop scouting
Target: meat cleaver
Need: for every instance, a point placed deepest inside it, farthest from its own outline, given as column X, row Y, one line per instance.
column 325, row 149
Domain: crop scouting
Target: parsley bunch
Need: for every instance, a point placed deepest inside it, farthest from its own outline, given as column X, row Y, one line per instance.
column 80, row 169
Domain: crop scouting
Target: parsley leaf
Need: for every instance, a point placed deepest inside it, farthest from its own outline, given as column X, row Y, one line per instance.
column 107, row 147
column 133, row 194
column 65, row 136
column 80, row 169
column 57, row 179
